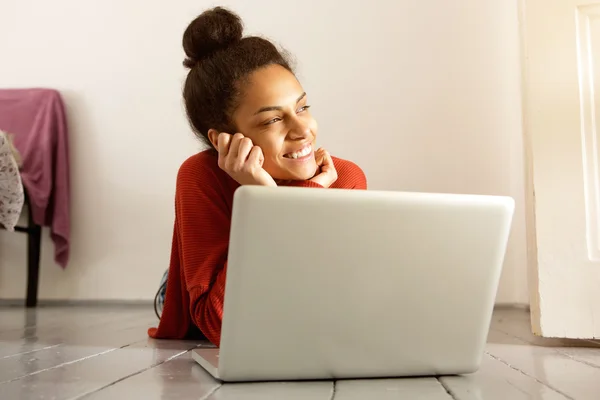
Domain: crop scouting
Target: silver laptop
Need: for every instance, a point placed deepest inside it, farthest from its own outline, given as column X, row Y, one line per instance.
column 333, row 284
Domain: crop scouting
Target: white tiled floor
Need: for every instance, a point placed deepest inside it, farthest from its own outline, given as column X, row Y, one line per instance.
column 104, row 353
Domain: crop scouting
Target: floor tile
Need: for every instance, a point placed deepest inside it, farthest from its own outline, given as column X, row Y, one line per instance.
column 497, row 381
column 94, row 373
column 391, row 389
column 565, row 375
column 104, row 353
column 275, row 391
column 179, row 378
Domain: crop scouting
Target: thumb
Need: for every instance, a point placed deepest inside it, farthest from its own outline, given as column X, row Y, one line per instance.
column 320, row 156
column 327, row 163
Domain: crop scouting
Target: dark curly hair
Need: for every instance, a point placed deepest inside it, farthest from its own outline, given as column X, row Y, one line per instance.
column 220, row 60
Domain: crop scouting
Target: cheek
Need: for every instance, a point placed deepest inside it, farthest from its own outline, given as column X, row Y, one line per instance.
column 314, row 127
column 270, row 144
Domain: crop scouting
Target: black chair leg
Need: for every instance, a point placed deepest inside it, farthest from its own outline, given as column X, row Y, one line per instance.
column 34, row 244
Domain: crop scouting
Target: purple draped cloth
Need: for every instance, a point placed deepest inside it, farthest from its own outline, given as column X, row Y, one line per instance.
column 36, row 118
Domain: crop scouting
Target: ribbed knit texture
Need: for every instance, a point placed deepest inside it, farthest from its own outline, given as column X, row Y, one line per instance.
column 198, row 267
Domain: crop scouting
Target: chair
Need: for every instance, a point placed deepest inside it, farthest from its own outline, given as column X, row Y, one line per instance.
column 34, row 245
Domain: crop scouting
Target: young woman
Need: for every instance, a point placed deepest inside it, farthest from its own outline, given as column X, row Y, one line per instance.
column 244, row 101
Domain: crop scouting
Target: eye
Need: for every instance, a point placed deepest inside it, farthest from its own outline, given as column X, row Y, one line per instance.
column 272, row 121
column 306, row 107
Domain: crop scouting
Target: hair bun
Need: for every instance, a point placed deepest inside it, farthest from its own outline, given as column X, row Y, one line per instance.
column 213, row 30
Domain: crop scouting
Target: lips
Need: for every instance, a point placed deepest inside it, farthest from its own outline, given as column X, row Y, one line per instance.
column 303, row 152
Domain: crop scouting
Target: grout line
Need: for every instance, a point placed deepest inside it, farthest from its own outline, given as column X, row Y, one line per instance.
column 63, row 343
column 571, row 357
column 333, row 390
column 81, row 396
column 554, row 349
column 63, row 364
column 530, row 376
column 446, row 388
column 32, row 351
column 210, row 394
column 518, row 388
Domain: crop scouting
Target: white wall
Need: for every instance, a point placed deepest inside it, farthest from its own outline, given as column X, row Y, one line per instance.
column 423, row 95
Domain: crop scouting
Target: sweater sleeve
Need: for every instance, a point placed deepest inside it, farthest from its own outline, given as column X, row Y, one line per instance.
column 203, row 222
column 350, row 175
column 359, row 180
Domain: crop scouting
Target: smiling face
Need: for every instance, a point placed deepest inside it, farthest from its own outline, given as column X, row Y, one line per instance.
column 273, row 112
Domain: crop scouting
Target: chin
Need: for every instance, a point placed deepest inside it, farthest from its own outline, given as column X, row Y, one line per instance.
column 307, row 172
column 302, row 173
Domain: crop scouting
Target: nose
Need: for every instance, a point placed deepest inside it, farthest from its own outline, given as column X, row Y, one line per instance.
column 299, row 130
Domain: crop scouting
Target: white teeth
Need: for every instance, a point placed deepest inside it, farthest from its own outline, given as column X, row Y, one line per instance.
column 304, row 152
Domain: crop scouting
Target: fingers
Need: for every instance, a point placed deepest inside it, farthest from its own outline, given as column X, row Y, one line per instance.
column 244, row 149
column 323, row 158
column 327, row 161
column 234, row 151
column 223, row 142
column 235, row 144
column 256, row 156
column 320, row 156
column 243, row 161
column 327, row 173
column 240, row 147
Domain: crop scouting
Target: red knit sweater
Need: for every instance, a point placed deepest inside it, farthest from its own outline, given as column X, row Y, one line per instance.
column 196, row 279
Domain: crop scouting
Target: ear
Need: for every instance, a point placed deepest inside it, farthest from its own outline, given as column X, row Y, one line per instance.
column 213, row 136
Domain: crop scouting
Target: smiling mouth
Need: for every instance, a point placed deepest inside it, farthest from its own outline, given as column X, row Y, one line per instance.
column 302, row 153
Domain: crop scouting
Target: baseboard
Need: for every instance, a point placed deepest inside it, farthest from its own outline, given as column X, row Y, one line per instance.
column 508, row 306
column 79, row 303
column 150, row 304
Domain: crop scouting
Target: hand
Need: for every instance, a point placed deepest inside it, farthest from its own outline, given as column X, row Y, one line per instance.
column 327, row 174
column 242, row 160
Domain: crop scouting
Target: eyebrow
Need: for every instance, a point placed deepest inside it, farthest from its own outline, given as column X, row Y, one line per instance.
column 278, row 108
